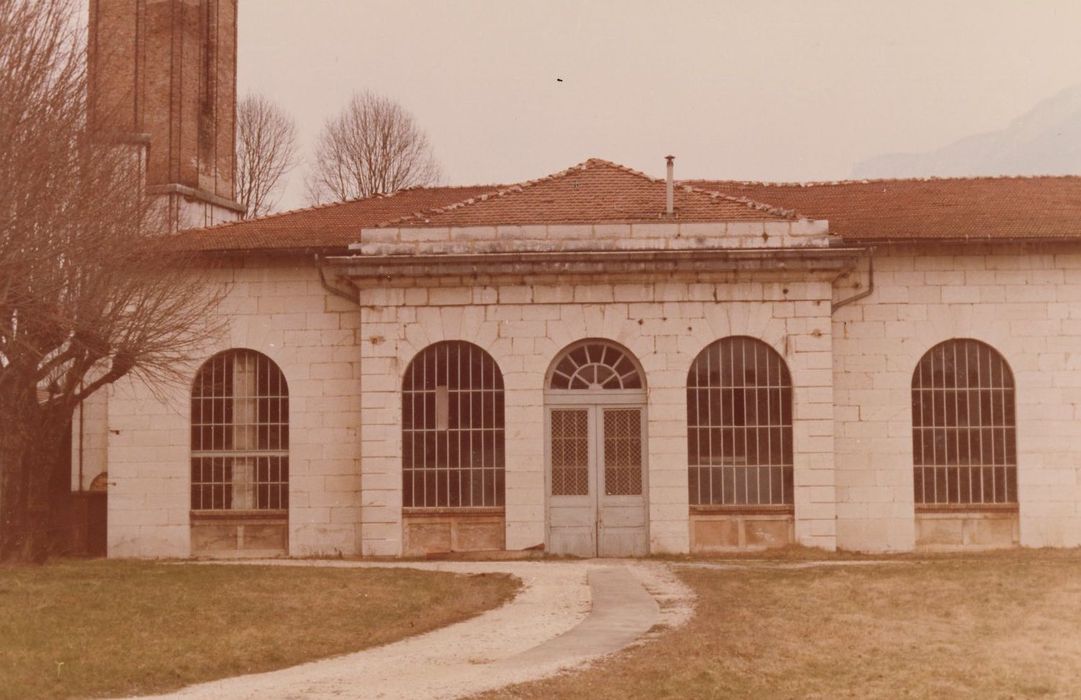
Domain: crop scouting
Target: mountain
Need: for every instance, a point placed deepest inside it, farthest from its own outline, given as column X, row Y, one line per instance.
column 1044, row 141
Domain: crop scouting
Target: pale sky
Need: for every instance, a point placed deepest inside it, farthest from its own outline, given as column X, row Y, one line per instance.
column 760, row 90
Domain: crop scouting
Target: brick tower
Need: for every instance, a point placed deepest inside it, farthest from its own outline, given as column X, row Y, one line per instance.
column 162, row 77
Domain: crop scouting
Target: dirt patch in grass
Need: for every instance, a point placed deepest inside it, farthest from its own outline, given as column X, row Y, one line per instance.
column 791, row 553
column 78, row 629
column 1005, row 625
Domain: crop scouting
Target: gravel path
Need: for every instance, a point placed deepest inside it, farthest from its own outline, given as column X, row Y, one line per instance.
column 567, row 614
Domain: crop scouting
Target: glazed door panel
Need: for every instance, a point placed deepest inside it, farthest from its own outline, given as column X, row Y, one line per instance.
column 572, row 514
column 621, row 523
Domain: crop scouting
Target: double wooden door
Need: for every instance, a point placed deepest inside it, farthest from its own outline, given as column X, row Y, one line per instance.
column 596, row 480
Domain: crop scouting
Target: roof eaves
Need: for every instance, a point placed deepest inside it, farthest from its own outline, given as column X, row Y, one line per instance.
column 955, row 240
column 268, row 250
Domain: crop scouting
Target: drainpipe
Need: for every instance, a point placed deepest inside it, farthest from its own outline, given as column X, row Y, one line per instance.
column 352, row 296
column 866, row 292
column 336, row 291
column 669, row 190
column 82, row 437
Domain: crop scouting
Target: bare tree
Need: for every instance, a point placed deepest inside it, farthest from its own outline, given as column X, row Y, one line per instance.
column 373, row 146
column 87, row 294
column 265, row 151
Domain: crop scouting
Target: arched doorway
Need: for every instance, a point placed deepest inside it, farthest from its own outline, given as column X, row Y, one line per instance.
column 595, row 433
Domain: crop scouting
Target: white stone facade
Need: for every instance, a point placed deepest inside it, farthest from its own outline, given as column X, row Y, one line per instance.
column 664, row 324
column 1023, row 301
column 851, row 372
column 282, row 311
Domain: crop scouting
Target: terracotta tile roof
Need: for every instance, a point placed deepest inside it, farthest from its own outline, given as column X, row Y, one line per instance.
column 935, row 208
column 593, row 192
column 598, row 191
column 329, row 226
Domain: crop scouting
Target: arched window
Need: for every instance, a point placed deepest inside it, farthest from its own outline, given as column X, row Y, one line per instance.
column 595, row 364
column 240, row 434
column 739, row 425
column 452, row 428
column 963, row 426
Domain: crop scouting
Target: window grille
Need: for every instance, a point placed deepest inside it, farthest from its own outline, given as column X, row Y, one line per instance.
column 964, row 432
column 570, row 452
column 595, row 365
column 452, row 429
column 623, row 452
column 739, row 425
column 239, row 434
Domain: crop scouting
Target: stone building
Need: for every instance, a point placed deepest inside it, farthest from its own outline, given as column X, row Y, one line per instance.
column 601, row 363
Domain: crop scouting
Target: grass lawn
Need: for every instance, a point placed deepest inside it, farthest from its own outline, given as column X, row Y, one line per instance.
column 1005, row 625
column 93, row 628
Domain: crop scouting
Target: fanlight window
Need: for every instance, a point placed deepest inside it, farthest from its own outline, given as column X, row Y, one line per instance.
column 739, row 425
column 595, row 365
column 239, row 434
column 964, row 435
column 452, row 429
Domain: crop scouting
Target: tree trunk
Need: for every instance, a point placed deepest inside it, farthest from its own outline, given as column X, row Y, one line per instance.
column 33, row 491
column 14, row 494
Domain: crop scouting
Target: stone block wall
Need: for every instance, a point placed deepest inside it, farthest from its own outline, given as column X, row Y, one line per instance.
column 1023, row 301
column 853, row 423
column 281, row 310
column 734, row 235
column 664, row 323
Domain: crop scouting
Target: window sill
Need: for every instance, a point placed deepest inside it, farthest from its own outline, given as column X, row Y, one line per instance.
column 962, row 508
column 272, row 515
column 784, row 509
column 456, row 512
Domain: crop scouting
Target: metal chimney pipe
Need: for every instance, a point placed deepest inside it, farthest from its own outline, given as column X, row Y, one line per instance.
column 670, row 194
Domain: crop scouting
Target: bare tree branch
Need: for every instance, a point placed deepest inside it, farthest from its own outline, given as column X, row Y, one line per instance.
column 89, row 293
column 373, row 146
column 265, row 151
